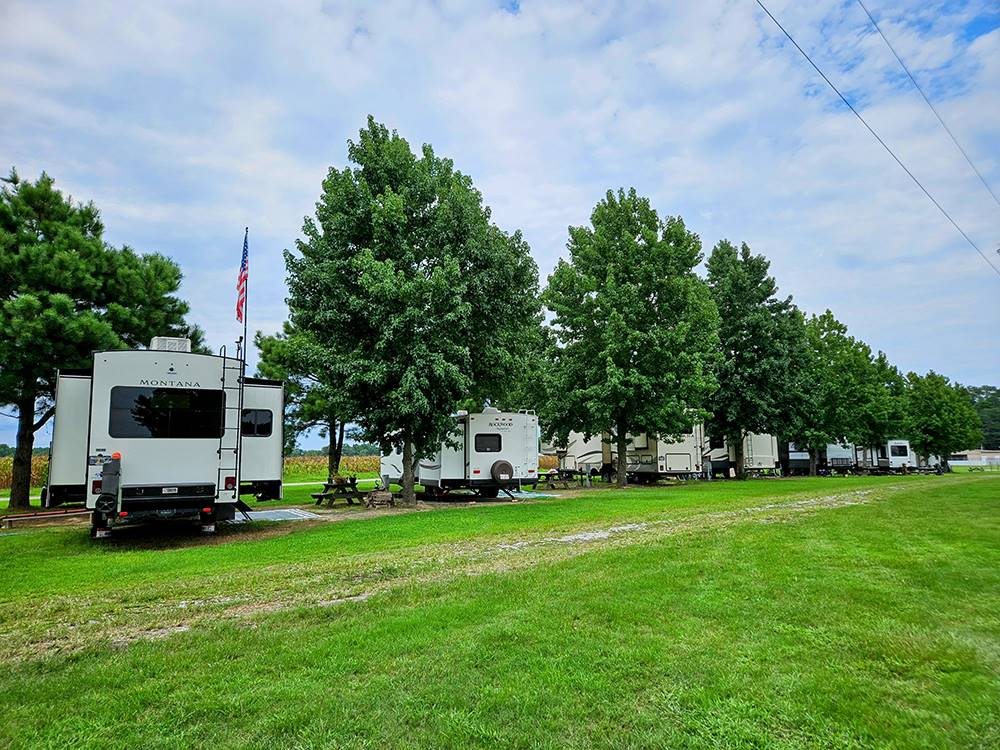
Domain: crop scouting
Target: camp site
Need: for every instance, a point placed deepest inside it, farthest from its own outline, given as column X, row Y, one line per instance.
column 493, row 374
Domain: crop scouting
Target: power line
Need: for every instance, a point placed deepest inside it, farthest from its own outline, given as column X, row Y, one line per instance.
column 879, row 139
column 927, row 99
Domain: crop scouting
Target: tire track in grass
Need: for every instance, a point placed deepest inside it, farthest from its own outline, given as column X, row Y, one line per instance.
column 68, row 624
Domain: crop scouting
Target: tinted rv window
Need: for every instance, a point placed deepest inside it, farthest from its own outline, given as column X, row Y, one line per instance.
column 257, row 422
column 165, row 413
column 899, row 450
column 487, row 443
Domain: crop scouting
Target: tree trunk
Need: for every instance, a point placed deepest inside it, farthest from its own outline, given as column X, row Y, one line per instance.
column 20, row 483
column 812, row 462
column 340, row 442
column 738, row 445
column 336, row 449
column 332, row 459
column 622, row 455
column 409, row 493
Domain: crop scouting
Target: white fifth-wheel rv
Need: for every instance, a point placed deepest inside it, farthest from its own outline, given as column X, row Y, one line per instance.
column 760, row 455
column 648, row 458
column 164, row 433
column 488, row 452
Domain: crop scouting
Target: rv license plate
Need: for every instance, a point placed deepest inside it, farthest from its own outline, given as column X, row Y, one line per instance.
column 169, row 490
column 505, row 476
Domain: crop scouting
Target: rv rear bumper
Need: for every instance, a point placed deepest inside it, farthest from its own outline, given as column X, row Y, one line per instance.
column 509, row 484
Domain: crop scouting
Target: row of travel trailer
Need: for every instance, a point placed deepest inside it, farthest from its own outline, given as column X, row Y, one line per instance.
column 695, row 454
column 698, row 454
column 167, row 433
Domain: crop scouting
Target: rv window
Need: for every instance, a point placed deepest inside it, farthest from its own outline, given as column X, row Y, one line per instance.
column 257, row 422
column 165, row 413
column 487, row 443
column 899, row 450
column 715, row 442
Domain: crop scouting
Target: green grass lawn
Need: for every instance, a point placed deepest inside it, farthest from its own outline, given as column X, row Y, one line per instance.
column 857, row 612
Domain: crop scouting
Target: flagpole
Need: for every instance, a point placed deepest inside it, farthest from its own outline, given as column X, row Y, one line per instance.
column 246, row 303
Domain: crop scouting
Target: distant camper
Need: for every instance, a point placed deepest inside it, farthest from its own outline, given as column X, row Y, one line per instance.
column 649, row 458
column 162, row 433
column 892, row 456
column 495, row 451
column 834, row 458
column 760, row 455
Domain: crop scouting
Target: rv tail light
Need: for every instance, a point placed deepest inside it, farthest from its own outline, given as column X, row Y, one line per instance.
column 123, row 514
column 475, row 471
column 117, row 456
column 531, row 471
column 206, row 511
column 230, row 483
column 95, row 487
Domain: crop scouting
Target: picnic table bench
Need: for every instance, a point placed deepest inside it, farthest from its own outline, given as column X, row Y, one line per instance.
column 560, row 479
column 37, row 515
column 346, row 488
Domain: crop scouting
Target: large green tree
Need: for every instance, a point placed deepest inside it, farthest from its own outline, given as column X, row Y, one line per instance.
column 311, row 400
column 986, row 400
column 883, row 415
column 761, row 345
column 63, row 294
column 940, row 417
column 412, row 298
column 834, row 392
column 635, row 327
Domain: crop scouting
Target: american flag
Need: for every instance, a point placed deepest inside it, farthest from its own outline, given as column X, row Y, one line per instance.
column 241, row 280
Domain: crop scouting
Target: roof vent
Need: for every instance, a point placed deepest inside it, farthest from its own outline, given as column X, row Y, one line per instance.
column 170, row 344
column 490, row 410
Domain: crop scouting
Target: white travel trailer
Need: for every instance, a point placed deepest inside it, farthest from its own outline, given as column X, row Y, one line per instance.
column 840, row 457
column 581, row 455
column 835, row 458
column 164, row 433
column 492, row 451
column 649, row 459
column 893, row 456
column 760, row 455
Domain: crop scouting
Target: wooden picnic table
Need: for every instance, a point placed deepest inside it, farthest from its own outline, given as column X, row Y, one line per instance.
column 560, row 479
column 346, row 488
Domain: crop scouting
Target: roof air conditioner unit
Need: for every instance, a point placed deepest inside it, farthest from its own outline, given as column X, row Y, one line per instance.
column 170, row 344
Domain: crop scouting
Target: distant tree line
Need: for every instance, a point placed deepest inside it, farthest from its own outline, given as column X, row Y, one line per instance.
column 6, row 451
column 986, row 402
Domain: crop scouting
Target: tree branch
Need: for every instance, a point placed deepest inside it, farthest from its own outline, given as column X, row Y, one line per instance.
column 46, row 415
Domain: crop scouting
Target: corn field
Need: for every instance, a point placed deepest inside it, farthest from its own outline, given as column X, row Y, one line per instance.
column 39, row 471
column 316, row 465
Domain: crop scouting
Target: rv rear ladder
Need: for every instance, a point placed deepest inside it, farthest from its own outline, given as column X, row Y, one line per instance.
column 233, row 393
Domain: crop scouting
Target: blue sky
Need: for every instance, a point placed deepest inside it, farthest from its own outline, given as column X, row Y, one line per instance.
column 185, row 122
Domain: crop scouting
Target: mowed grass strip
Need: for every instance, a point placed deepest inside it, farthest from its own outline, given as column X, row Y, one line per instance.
column 871, row 624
